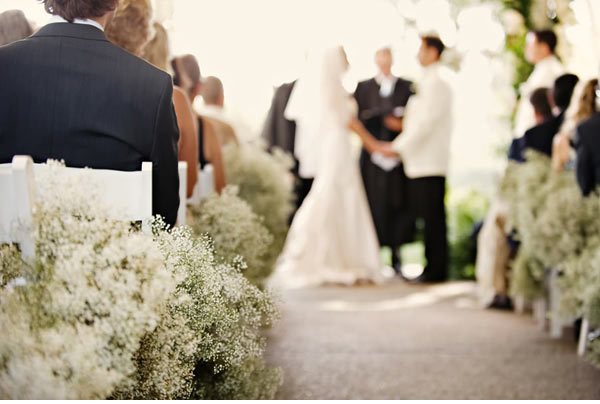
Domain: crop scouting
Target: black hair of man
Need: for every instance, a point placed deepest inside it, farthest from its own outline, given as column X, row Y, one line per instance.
column 563, row 90
column 541, row 102
column 548, row 37
column 434, row 42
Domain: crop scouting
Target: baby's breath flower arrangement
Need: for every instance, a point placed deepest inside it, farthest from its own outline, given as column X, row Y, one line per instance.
column 10, row 264
column 264, row 182
column 558, row 228
column 236, row 231
column 211, row 325
column 92, row 292
column 105, row 312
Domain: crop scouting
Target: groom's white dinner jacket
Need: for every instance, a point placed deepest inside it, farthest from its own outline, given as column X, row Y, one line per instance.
column 424, row 144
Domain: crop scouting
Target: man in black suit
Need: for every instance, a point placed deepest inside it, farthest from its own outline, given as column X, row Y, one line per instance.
column 281, row 132
column 540, row 137
column 588, row 154
column 381, row 101
column 68, row 93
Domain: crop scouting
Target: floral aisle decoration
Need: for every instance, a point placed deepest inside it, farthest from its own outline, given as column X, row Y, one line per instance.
column 103, row 311
column 557, row 228
column 210, row 328
column 264, row 182
column 523, row 187
column 236, row 232
column 71, row 328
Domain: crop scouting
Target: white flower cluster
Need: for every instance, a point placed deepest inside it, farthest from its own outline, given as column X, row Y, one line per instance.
column 92, row 292
column 558, row 228
column 108, row 312
column 236, row 232
column 211, row 322
column 265, row 183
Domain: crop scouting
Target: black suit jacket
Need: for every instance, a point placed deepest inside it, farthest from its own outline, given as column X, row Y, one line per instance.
column 372, row 107
column 278, row 131
column 588, row 154
column 386, row 191
column 68, row 93
column 538, row 138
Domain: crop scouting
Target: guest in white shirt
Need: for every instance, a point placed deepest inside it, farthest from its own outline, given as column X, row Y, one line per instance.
column 424, row 147
column 540, row 51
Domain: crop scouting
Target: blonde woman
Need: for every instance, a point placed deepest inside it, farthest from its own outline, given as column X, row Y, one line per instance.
column 582, row 107
column 132, row 29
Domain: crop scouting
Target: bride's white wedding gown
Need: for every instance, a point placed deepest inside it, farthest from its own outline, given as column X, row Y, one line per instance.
column 332, row 238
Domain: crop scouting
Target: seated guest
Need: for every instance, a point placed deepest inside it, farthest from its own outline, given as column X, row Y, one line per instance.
column 131, row 28
column 213, row 108
column 187, row 75
column 13, row 27
column 540, row 100
column 588, row 153
column 69, row 94
column 540, row 137
column 582, row 107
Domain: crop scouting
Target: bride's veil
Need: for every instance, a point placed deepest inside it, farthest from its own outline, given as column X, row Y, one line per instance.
column 318, row 103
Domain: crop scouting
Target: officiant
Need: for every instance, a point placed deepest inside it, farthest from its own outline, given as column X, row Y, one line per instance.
column 381, row 101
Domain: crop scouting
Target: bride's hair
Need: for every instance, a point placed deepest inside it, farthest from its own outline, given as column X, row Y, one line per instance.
column 131, row 27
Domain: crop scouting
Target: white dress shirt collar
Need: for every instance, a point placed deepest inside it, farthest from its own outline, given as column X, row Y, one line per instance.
column 86, row 21
column 386, row 84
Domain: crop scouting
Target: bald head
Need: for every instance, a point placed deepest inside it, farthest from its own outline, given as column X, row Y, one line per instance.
column 212, row 91
column 383, row 60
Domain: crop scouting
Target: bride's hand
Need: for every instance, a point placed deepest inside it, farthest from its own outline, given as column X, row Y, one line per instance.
column 385, row 148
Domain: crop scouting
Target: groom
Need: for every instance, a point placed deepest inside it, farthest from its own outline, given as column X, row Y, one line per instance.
column 381, row 101
column 424, row 148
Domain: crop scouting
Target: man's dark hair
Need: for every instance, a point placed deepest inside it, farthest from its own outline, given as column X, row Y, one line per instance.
column 72, row 9
column 563, row 90
column 548, row 37
column 434, row 42
column 541, row 102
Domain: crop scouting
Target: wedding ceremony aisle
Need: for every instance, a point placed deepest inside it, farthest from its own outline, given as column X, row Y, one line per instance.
column 400, row 341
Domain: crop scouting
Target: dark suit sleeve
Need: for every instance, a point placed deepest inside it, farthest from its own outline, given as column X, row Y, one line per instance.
column 268, row 133
column 585, row 169
column 165, row 176
column 516, row 151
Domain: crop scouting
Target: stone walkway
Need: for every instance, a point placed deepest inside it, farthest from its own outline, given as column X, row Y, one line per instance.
column 400, row 341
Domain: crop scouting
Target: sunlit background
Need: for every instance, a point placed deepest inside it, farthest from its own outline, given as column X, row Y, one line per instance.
column 254, row 46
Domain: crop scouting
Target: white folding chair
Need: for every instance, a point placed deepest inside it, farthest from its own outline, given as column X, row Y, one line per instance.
column 204, row 186
column 127, row 195
column 16, row 204
column 181, row 212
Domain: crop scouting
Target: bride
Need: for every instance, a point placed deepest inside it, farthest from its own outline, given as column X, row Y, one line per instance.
column 332, row 238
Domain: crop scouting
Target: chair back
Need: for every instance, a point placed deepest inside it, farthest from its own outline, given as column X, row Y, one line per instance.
column 181, row 212
column 16, row 203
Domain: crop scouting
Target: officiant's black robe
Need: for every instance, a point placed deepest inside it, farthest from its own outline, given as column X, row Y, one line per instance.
column 385, row 190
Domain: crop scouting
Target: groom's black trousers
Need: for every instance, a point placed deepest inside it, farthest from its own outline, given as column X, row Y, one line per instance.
column 425, row 199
